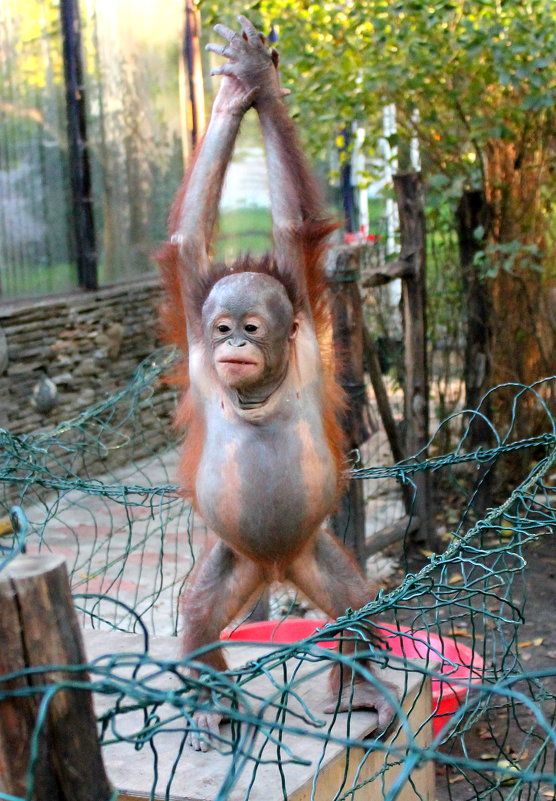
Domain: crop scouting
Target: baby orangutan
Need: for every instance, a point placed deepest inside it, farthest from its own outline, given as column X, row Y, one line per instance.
column 263, row 453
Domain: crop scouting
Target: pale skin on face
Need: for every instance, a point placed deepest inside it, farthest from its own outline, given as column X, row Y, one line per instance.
column 266, row 477
column 248, row 324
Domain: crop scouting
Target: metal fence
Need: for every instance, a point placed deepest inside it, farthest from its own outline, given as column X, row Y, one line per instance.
column 128, row 108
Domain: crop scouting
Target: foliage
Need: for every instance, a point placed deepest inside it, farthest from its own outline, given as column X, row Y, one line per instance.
column 475, row 81
column 475, row 71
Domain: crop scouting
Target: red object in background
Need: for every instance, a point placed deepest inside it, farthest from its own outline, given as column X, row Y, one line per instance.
column 358, row 236
column 280, row 632
column 459, row 664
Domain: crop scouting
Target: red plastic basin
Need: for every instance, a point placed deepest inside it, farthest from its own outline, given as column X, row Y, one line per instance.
column 459, row 664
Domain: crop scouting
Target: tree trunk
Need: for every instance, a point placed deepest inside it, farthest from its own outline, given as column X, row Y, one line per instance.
column 523, row 332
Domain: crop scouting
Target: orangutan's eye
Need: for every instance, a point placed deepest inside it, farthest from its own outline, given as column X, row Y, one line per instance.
column 251, row 328
column 223, row 328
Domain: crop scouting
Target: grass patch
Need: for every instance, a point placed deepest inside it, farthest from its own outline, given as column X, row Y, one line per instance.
column 244, row 230
column 33, row 279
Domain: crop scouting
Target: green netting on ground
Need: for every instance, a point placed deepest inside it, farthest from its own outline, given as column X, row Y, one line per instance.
column 99, row 491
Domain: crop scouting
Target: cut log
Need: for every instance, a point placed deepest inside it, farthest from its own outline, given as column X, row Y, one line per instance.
column 42, row 718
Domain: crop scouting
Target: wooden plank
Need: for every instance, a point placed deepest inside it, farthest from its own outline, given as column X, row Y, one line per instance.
column 355, row 766
column 39, row 629
column 381, row 397
column 6, row 526
column 385, row 411
column 198, row 776
column 473, row 212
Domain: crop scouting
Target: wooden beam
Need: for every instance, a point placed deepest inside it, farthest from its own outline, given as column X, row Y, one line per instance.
column 194, row 68
column 6, row 527
column 390, row 534
column 381, row 396
column 39, row 629
column 384, row 273
column 385, row 411
column 473, row 213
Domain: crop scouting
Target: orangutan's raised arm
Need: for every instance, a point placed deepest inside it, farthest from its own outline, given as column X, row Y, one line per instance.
column 296, row 202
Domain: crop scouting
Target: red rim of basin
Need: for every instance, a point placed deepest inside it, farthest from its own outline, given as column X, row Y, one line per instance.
column 460, row 666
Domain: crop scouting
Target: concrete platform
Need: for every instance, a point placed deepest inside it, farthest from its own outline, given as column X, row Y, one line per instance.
column 197, row 776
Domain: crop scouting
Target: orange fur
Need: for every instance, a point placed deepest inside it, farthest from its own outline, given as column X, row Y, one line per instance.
column 190, row 420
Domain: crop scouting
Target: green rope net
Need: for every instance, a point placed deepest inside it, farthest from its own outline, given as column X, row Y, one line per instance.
column 99, row 490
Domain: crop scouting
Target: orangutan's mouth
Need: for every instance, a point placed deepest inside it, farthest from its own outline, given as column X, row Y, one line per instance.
column 236, row 361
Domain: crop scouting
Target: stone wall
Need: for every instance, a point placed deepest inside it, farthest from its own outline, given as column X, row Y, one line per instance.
column 60, row 355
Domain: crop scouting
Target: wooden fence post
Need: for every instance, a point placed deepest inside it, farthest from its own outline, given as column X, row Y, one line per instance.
column 473, row 213
column 409, row 196
column 38, row 629
column 347, row 316
column 390, row 426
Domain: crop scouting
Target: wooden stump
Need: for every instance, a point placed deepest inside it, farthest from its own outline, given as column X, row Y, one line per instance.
column 47, row 730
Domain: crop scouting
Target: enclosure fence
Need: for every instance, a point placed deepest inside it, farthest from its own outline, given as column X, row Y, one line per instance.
column 130, row 542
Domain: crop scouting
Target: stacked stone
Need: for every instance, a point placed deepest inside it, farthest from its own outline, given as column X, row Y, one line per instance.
column 60, row 355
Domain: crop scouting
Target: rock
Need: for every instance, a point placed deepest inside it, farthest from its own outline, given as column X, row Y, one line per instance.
column 115, row 336
column 87, row 367
column 45, row 395
column 86, row 398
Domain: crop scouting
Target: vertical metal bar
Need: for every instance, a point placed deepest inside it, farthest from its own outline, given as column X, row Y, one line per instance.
column 346, row 182
column 80, row 173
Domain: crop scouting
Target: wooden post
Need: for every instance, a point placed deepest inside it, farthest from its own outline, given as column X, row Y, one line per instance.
column 473, row 213
column 385, row 411
column 347, row 312
column 409, row 196
column 381, row 397
column 38, row 629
